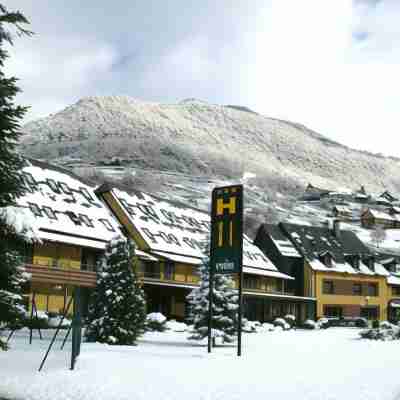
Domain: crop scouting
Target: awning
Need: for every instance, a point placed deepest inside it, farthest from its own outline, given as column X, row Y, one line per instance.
column 145, row 256
column 265, row 272
column 178, row 258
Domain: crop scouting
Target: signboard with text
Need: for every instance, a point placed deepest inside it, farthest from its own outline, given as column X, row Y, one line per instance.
column 227, row 230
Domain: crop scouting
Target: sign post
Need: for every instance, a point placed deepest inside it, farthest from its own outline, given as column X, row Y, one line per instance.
column 226, row 250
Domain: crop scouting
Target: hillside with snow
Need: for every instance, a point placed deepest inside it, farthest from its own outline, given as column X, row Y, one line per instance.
column 183, row 150
column 198, row 138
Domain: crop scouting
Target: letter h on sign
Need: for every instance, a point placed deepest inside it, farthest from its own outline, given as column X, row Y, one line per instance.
column 227, row 229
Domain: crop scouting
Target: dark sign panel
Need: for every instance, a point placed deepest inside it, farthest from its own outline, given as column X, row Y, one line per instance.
column 227, row 229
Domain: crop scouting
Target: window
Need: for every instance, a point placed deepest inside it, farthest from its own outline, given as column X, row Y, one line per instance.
column 86, row 220
column 250, row 282
column 36, row 211
column 396, row 290
column 371, row 312
column 326, row 258
column 53, row 185
column 127, row 206
column 169, row 270
column 328, row 287
column 49, row 213
column 86, row 194
column 331, row 311
column 372, row 289
column 152, row 270
column 107, row 225
column 357, row 289
column 65, row 188
column 356, row 262
column 29, row 179
column 76, row 220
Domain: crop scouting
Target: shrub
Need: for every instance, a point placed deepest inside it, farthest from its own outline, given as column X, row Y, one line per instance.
column 290, row 319
column 155, row 322
column 375, row 324
column 280, row 322
column 392, row 333
column 175, row 326
column 309, row 324
column 250, row 326
column 386, row 325
column 323, row 323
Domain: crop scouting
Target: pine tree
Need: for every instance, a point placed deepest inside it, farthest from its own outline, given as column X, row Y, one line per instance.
column 11, row 185
column 225, row 306
column 117, row 311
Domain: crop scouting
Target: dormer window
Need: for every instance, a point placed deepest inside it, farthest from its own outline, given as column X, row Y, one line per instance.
column 86, row 220
column 356, row 262
column 29, row 179
column 86, row 194
column 74, row 218
column 107, row 225
column 49, row 213
column 36, row 211
column 53, row 185
column 65, row 188
column 326, row 258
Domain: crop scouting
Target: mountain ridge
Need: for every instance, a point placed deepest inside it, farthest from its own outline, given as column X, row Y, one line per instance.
column 199, row 138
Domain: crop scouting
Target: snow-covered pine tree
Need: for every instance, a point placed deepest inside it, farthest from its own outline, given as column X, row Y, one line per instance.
column 11, row 185
column 12, row 277
column 117, row 310
column 225, row 306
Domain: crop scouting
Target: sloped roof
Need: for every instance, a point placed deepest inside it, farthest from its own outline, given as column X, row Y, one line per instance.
column 342, row 209
column 64, row 207
column 175, row 228
column 312, row 241
column 380, row 214
column 282, row 243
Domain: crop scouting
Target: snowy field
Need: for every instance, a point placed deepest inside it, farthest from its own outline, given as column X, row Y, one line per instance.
column 316, row 365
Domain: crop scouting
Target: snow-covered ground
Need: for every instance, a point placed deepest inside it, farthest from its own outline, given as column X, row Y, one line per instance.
column 313, row 365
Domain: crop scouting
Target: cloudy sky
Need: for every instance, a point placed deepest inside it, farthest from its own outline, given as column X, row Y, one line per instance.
column 330, row 65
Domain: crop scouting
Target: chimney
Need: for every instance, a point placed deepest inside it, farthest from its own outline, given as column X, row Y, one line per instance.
column 336, row 228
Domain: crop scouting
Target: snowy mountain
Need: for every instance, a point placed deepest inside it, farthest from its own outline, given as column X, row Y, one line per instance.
column 199, row 138
column 185, row 149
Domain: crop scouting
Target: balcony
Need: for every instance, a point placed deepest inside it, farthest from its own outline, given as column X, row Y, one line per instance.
column 174, row 277
column 61, row 272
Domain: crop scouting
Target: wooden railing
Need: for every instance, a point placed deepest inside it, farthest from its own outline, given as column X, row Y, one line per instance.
column 173, row 277
column 61, row 275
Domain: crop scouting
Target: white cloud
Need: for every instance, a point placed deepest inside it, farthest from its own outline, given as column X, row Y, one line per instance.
column 331, row 65
column 55, row 72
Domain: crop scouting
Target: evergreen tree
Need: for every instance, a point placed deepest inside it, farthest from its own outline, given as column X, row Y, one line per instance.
column 117, row 310
column 225, row 306
column 11, row 185
column 11, row 115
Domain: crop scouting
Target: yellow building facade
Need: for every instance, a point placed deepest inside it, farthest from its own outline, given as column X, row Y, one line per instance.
column 169, row 238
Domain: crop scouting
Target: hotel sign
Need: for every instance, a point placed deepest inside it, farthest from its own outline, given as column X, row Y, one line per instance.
column 227, row 230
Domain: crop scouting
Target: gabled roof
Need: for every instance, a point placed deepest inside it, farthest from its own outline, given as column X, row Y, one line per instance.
column 387, row 195
column 312, row 242
column 281, row 242
column 64, row 207
column 379, row 214
column 175, row 228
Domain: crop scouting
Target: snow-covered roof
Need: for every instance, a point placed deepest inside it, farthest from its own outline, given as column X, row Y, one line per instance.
column 393, row 280
column 64, row 208
column 343, row 209
column 264, row 272
column 381, row 215
column 176, row 228
column 286, row 248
